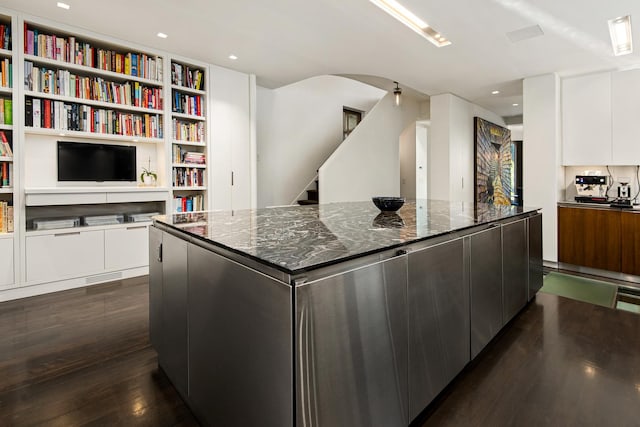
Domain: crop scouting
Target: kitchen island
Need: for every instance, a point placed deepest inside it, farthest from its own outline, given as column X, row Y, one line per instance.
column 333, row 314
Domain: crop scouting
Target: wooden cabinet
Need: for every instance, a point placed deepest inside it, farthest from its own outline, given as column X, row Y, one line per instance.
column 586, row 120
column 630, row 242
column 589, row 237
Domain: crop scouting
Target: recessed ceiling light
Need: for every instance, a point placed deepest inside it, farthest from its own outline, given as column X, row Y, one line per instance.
column 408, row 18
column 63, row 5
column 233, row 57
column 162, row 35
column 620, row 32
column 495, row 92
column 515, row 105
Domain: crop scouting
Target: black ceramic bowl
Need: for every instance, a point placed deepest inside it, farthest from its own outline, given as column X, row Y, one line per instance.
column 388, row 204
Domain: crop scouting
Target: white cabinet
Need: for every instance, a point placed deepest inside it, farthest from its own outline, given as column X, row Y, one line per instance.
column 586, row 120
column 6, row 262
column 625, row 114
column 66, row 254
column 230, row 107
column 126, row 247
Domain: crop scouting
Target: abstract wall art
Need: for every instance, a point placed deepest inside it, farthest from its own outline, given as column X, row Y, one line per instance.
column 494, row 164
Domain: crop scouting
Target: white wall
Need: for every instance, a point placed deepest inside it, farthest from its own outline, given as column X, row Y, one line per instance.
column 542, row 175
column 368, row 163
column 298, row 127
column 408, row 145
column 451, row 146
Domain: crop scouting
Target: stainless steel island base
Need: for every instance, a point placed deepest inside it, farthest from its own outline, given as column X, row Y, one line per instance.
column 369, row 341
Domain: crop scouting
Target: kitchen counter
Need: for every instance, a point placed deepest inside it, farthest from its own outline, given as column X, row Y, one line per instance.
column 294, row 239
column 333, row 314
column 574, row 204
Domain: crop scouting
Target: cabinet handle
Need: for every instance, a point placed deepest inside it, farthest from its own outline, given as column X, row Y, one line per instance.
column 401, row 252
column 71, row 233
column 136, row 227
column 159, row 255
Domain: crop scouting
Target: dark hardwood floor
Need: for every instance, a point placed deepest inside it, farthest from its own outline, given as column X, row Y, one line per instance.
column 82, row 357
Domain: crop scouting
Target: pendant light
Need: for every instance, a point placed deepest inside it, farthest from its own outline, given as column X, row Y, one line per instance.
column 397, row 92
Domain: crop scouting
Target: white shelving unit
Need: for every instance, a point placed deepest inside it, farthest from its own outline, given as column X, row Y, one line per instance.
column 8, row 170
column 188, row 135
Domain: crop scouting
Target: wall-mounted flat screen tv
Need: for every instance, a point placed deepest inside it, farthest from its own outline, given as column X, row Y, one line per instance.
column 81, row 161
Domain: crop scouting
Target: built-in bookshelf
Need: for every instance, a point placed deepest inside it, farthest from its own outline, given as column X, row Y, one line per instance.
column 81, row 86
column 9, row 197
column 188, row 137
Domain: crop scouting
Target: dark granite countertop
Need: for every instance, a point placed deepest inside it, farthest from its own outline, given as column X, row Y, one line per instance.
column 294, row 239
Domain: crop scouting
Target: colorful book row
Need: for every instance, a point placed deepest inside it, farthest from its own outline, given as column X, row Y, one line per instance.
column 64, row 83
column 188, row 177
column 187, row 104
column 187, row 131
column 80, row 52
column 188, row 203
column 183, row 75
column 6, row 217
column 45, row 113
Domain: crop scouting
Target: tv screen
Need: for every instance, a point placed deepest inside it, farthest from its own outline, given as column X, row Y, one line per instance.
column 80, row 161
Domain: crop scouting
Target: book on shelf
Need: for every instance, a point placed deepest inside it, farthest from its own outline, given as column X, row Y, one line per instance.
column 6, row 73
column 70, row 116
column 65, row 83
column 187, row 131
column 5, row 146
column 5, row 36
column 188, row 203
column 6, row 217
column 6, row 174
column 8, row 111
column 188, row 177
column 75, row 51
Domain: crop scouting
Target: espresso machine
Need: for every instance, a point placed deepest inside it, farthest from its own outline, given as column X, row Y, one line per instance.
column 624, row 194
column 591, row 189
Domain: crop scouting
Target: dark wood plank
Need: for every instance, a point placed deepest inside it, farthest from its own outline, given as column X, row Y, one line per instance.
column 82, row 357
column 589, row 237
column 560, row 362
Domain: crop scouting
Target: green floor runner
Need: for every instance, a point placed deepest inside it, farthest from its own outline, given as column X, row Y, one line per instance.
column 579, row 288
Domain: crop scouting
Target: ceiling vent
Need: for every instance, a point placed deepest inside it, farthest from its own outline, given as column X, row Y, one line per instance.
column 525, row 33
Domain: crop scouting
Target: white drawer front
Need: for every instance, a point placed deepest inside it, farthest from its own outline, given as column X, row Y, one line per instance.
column 6, row 262
column 67, row 254
column 126, row 247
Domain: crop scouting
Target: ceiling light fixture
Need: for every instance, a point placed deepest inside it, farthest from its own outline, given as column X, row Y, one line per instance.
column 495, row 92
column 63, row 5
column 397, row 92
column 162, row 35
column 233, row 57
column 620, row 32
column 515, row 105
column 408, row 18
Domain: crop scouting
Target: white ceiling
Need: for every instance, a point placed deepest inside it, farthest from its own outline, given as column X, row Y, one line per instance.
column 284, row 41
